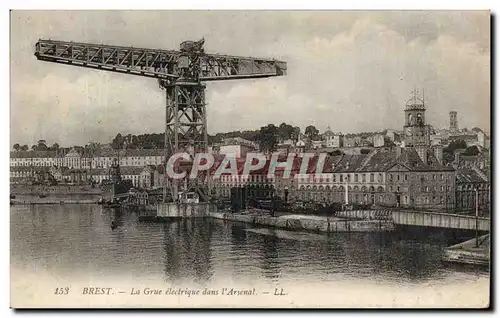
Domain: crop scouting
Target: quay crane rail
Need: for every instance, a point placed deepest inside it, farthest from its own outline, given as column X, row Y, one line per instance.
column 181, row 74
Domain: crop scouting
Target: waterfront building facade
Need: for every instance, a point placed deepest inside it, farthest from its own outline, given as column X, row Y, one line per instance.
column 470, row 181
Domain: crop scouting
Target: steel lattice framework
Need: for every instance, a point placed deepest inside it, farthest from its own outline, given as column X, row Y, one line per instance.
column 180, row 73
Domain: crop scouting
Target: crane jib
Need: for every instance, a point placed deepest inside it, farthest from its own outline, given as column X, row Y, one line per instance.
column 155, row 63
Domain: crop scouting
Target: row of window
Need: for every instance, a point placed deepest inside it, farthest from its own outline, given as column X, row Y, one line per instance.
column 423, row 189
column 333, row 197
column 368, row 199
column 471, row 187
column 250, row 178
column 401, row 177
column 470, row 200
column 372, row 177
column 78, row 165
column 341, row 188
column 346, row 177
column 79, row 161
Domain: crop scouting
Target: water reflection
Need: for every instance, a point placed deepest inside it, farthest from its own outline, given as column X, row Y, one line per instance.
column 187, row 250
column 78, row 240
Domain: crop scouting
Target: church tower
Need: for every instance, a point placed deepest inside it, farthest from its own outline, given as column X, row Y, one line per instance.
column 416, row 131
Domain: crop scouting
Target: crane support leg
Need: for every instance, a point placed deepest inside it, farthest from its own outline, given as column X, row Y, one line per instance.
column 185, row 131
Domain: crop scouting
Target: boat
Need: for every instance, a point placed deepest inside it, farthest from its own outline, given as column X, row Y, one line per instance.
column 12, row 196
column 42, row 196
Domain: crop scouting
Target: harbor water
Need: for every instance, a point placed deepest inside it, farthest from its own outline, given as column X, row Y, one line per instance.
column 65, row 243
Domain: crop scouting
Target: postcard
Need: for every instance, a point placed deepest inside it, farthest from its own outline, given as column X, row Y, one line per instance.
column 250, row 159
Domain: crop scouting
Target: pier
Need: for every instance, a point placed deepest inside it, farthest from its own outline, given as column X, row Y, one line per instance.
column 475, row 252
column 306, row 222
column 424, row 219
column 358, row 220
column 169, row 211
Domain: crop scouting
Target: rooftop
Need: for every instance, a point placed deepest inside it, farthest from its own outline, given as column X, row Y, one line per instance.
column 469, row 176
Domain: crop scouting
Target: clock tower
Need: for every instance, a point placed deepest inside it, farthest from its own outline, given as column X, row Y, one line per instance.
column 416, row 131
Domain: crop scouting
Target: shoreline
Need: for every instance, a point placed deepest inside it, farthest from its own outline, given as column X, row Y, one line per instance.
column 297, row 222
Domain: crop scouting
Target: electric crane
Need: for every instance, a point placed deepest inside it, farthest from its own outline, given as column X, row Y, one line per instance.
column 181, row 74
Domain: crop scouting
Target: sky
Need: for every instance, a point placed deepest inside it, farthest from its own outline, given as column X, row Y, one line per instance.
column 350, row 70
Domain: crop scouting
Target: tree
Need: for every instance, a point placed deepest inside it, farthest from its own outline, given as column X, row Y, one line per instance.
column 54, row 147
column 16, row 147
column 92, row 148
column 41, row 145
column 267, row 138
column 285, row 131
column 117, row 142
column 24, row 147
column 33, row 147
column 449, row 151
column 311, row 132
column 295, row 133
column 454, row 145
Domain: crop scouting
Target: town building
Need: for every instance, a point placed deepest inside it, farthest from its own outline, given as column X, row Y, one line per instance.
column 453, row 122
column 332, row 140
column 416, row 131
column 384, row 177
column 393, row 135
column 32, row 158
column 80, row 164
column 236, row 147
column 378, row 141
column 468, row 182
